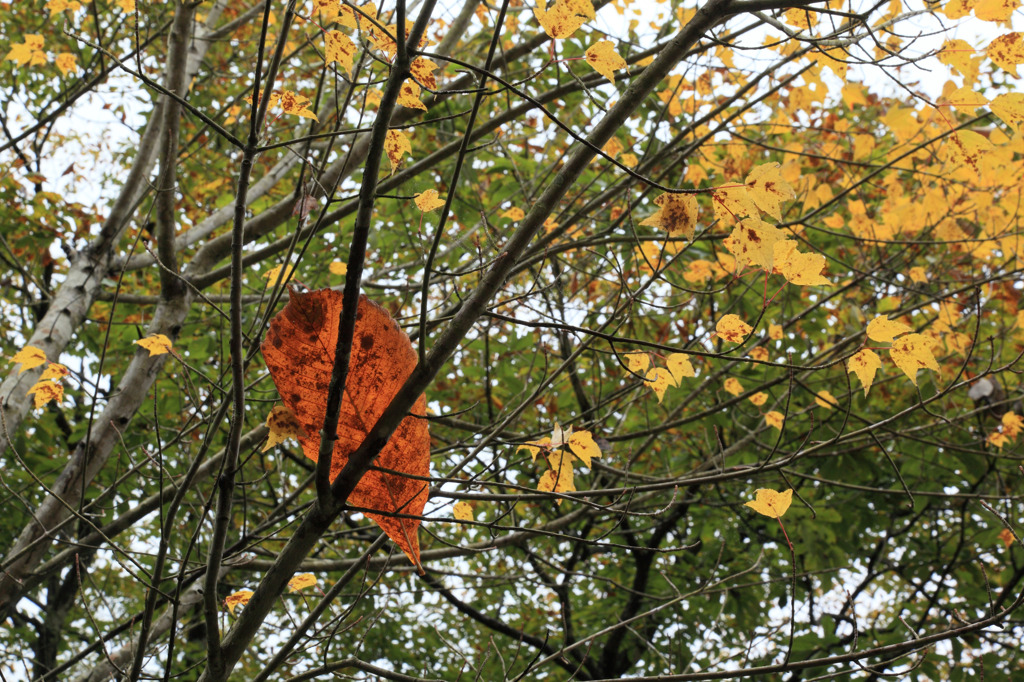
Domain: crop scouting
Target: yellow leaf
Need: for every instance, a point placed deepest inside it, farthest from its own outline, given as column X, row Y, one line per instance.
column 301, row 581
column 960, row 55
column 428, row 200
column 966, row 99
column 733, row 329
column 995, row 10
column 157, row 344
column 1007, row 537
column 759, row 398
column 283, row 424
column 613, row 147
column 637, row 362
column 629, row 160
column 771, row 503
column 997, row 439
column 911, row 353
column 767, row 189
column 534, row 447
column 775, row 332
column 1009, row 107
column 422, row 70
column 373, row 97
column 864, row 364
column 677, row 215
column 55, row 372
column 753, row 243
column 802, row 269
column 338, row 47
column 279, row 274
column 462, row 511
column 292, row 103
column 56, row 6
column 382, row 40
column 29, row 52
column 396, row 146
column 338, row 268
column 236, row 599
column 732, row 385
column 29, row 357
column 774, row 419
column 559, row 477
column 66, row 62
column 514, row 213
column 825, row 399
column 884, row 330
column 659, row 380
column 918, row 275
column 45, row 391
column 409, row 96
column 605, row 60
column 679, row 366
column 1012, row 424
column 127, row 5
column 1007, row 51
column 564, row 17
column 582, row 444
column 760, row 353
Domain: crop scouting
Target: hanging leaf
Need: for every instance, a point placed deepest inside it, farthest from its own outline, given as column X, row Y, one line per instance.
column 605, row 60
column 299, row 352
column 29, row 357
column 283, row 425
column 236, row 599
column 864, row 364
column 913, row 352
column 428, row 200
column 733, row 329
column 770, row 503
column 677, row 215
column 462, row 511
column 396, row 146
column 885, row 330
column 564, row 17
column 157, row 344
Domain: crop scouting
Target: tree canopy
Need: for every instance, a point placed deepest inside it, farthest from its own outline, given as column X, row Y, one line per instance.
column 500, row 340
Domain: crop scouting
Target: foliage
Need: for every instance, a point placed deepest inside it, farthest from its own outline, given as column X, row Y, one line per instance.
column 636, row 267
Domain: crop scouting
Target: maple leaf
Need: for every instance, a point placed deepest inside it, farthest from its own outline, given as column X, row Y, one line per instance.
column 965, row 148
column 1007, row 51
column 753, row 242
column 1012, row 424
column 559, row 477
column 43, row 392
column 767, row 189
column 680, row 367
column 825, row 399
column 535, row 447
column 659, row 379
column 462, row 511
column 292, row 103
column 422, row 69
column 278, row 274
column 677, row 215
column 637, row 362
column 803, row 269
column 29, row 52
column 864, row 364
column 157, row 344
column 299, row 352
column 236, row 599
column 771, row 503
column 409, row 95
column 54, row 371
column 733, row 203
column 339, row 48
column 301, row 582
column 29, row 357
column 733, row 329
column 396, row 146
column 564, row 17
column 732, row 385
column 605, row 60
column 775, row 332
column 911, row 353
column 66, row 62
column 283, row 425
column 884, row 330
column 582, row 444
column 514, row 213
column 774, row 419
column 1009, row 107
column 428, row 200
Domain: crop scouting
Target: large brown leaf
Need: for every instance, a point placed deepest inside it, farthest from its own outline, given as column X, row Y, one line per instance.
column 299, row 351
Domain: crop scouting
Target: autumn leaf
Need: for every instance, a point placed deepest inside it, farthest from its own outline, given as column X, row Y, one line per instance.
column 637, row 362
column 127, row 5
column 825, row 399
column 559, row 477
column 428, row 200
column 995, row 10
column 1009, row 107
column 514, row 213
column 767, row 189
column 299, row 352
column 66, row 62
column 753, row 242
column 409, row 96
column 1007, row 537
column 43, row 392
column 283, row 425
column 30, row 52
column 774, row 419
column 680, row 367
column 339, row 48
column 535, row 447
column 301, row 582
column 770, row 503
column 29, row 357
column 864, row 364
column 462, row 511
column 732, row 385
column 733, row 329
column 911, row 353
column 605, row 60
column 965, row 148
column 802, row 269
column 396, row 146
column 884, row 330
column 659, row 379
column 292, row 103
column 236, row 599
column 422, row 70
column 57, row 6
column 1007, row 51
column 54, row 372
column 581, row 444
column 677, row 215
column 564, row 17
column 338, row 267
column 157, row 344
column 759, row 398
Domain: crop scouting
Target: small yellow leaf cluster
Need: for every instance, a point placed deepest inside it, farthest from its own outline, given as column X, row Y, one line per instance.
column 1009, row 428
column 291, row 103
column 677, row 367
column 559, row 476
column 910, row 352
column 48, row 388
